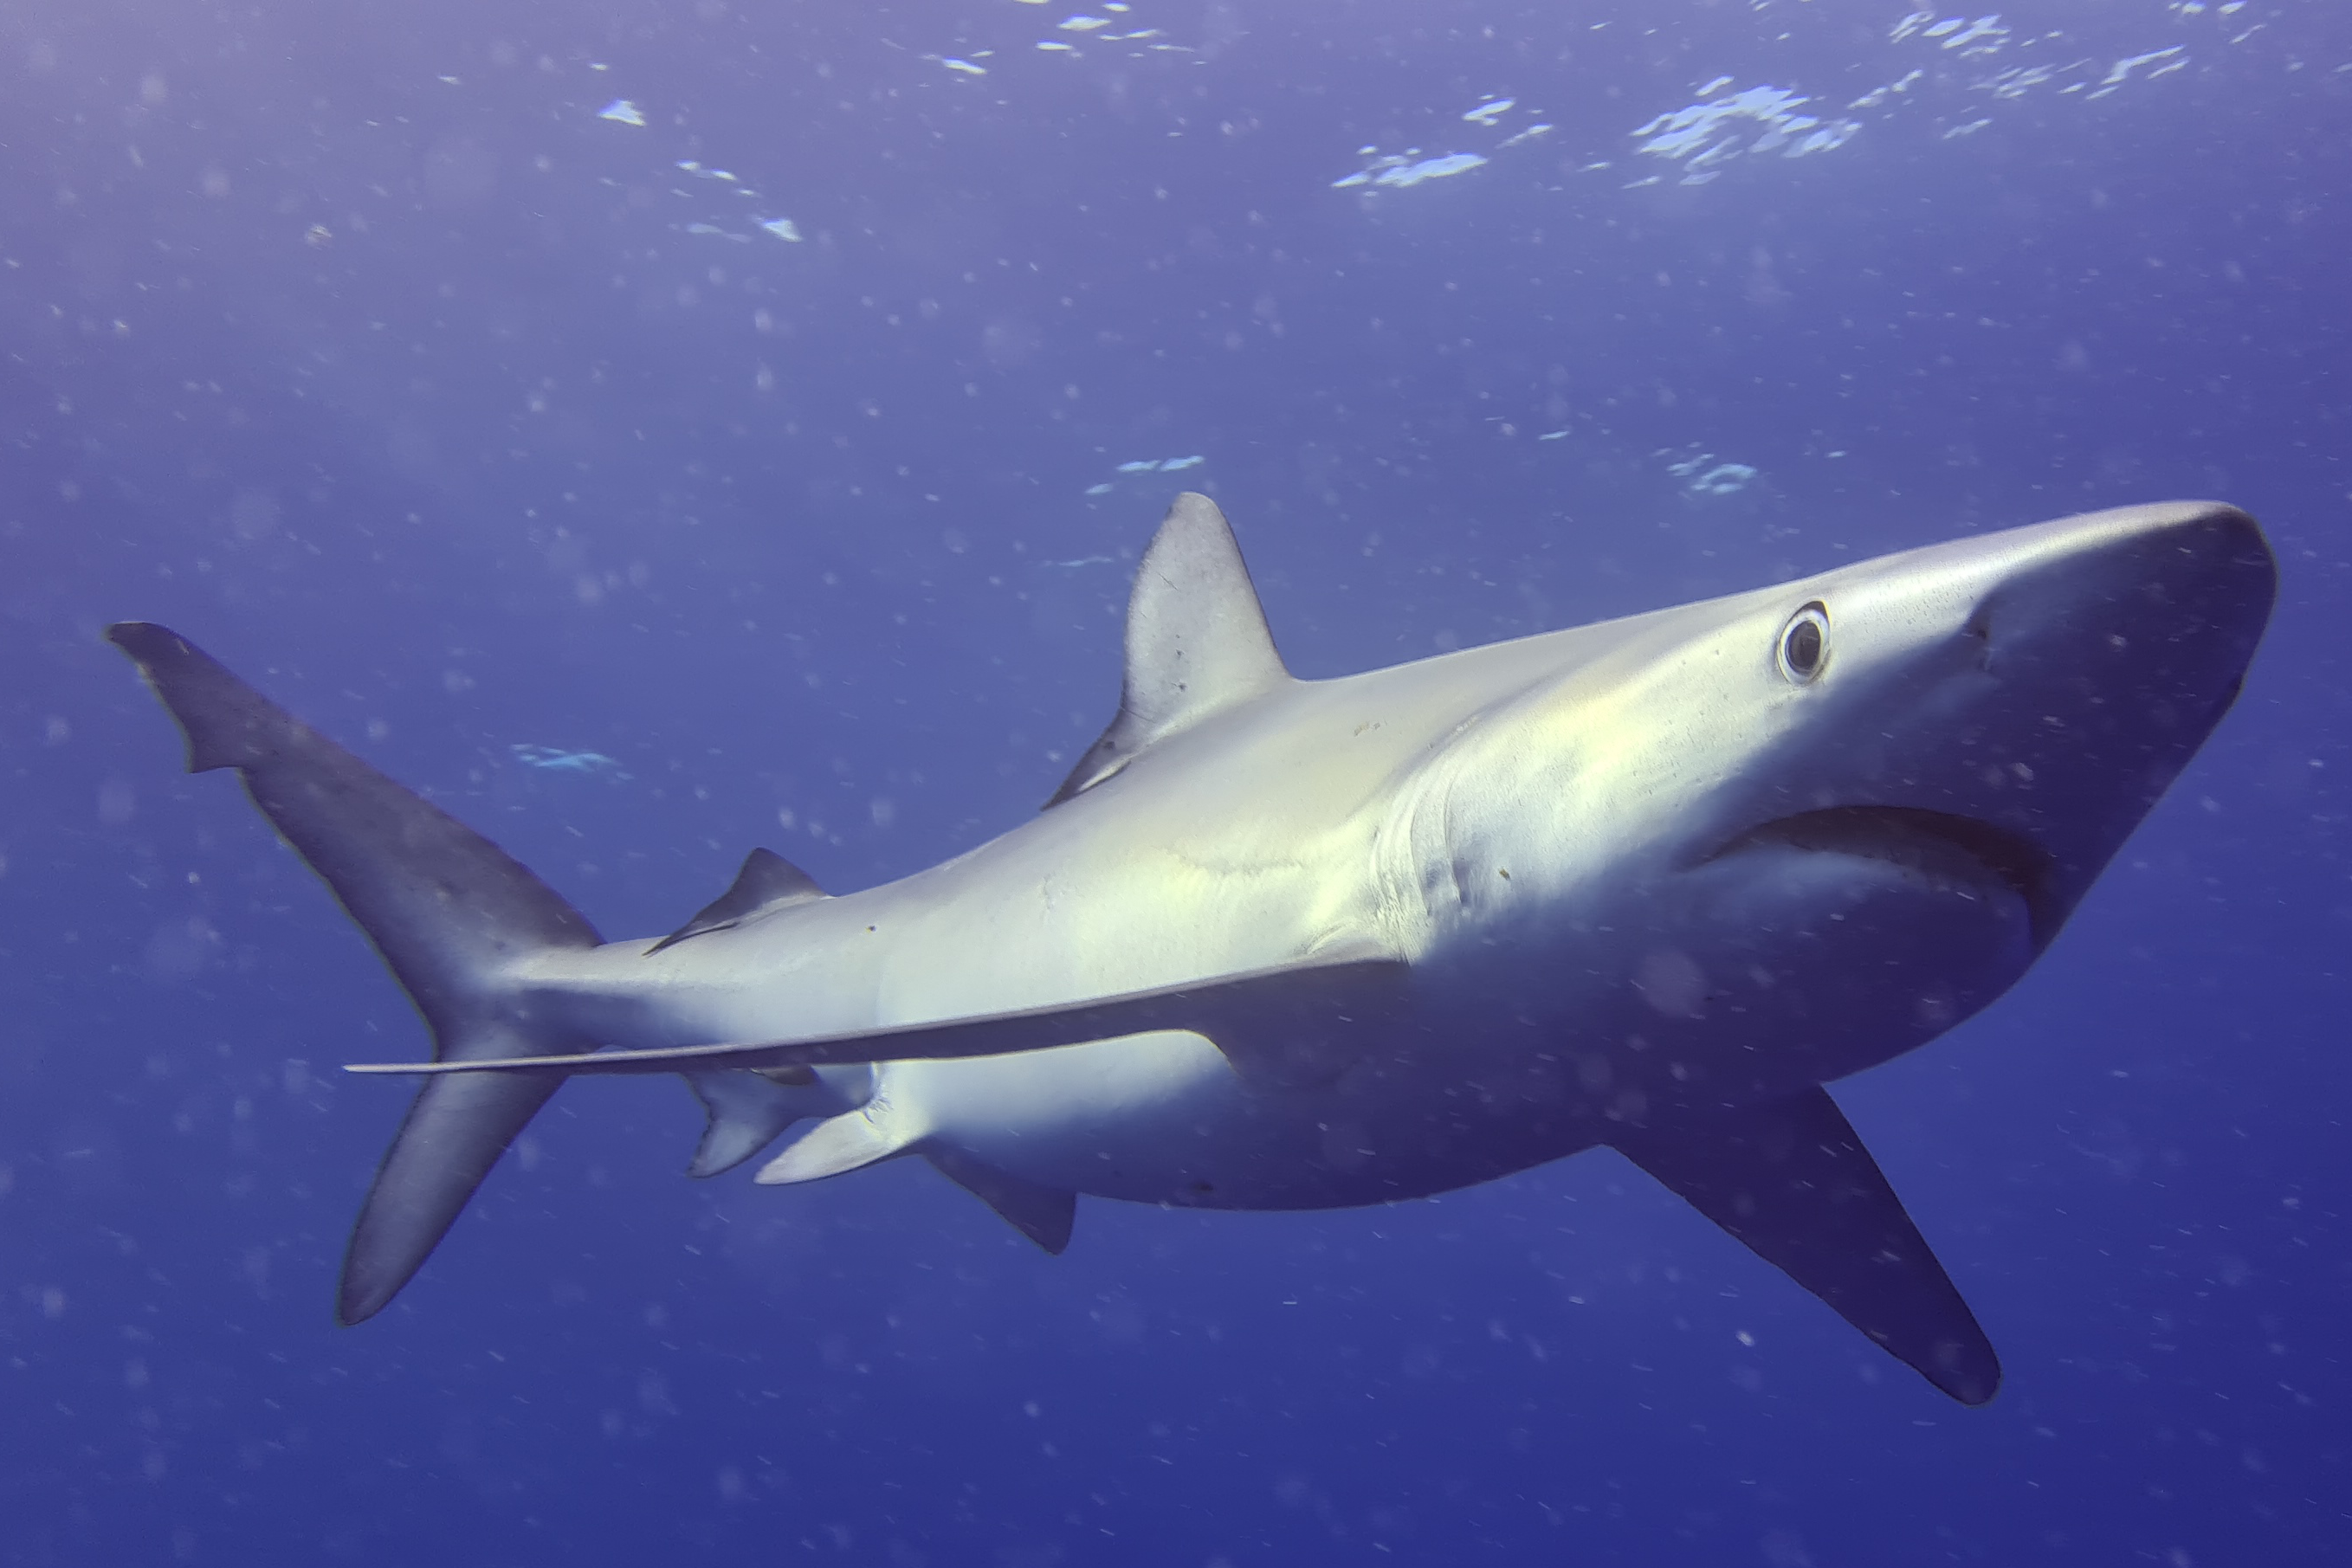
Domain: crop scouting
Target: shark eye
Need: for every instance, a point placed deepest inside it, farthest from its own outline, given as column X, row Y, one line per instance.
column 1804, row 645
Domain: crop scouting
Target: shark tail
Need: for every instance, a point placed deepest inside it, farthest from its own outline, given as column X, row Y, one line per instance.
column 448, row 911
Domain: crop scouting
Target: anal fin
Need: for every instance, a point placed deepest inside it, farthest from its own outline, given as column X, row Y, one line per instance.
column 1043, row 1214
column 1792, row 1181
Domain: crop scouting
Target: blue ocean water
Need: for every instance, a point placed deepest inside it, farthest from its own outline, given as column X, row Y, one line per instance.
column 451, row 372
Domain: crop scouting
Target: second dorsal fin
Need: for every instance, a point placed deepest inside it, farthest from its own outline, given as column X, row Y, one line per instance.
column 768, row 881
column 1197, row 642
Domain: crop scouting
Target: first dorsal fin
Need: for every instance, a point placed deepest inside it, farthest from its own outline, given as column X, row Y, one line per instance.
column 1197, row 642
column 768, row 881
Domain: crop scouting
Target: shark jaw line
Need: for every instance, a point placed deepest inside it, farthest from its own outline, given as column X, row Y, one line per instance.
column 1945, row 849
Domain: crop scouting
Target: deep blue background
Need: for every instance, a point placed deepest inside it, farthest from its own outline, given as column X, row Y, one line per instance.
column 502, row 454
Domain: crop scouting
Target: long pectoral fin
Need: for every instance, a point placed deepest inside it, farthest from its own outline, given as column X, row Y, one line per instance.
column 1276, row 1021
column 1794, row 1182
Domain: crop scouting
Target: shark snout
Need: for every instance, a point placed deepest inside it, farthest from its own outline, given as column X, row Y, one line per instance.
column 2010, row 711
column 2176, row 594
column 2114, row 646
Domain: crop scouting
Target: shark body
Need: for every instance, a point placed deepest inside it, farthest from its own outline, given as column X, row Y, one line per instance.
column 1650, row 884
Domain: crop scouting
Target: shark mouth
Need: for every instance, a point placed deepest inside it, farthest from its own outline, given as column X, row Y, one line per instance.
column 1945, row 850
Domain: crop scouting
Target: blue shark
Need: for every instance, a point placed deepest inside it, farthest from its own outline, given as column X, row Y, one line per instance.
column 1650, row 885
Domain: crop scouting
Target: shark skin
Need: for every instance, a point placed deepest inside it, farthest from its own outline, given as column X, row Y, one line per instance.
column 1648, row 884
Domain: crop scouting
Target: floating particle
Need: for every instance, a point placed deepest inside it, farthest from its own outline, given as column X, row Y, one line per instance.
column 1158, row 465
column 783, row 229
column 1703, row 137
column 1060, row 49
column 1878, row 95
column 1722, row 479
column 1703, row 474
column 1486, row 113
column 1398, row 173
column 1823, row 140
column 2123, row 70
column 1083, row 23
column 553, row 760
column 622, row 110
column 2017, row 81
column 1985, row 33
column 966, row 66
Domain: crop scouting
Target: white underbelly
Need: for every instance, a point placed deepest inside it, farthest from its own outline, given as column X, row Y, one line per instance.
column 1164, row 1118
column 1148, row 1118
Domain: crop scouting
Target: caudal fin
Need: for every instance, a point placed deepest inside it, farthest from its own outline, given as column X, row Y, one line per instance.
column 448, row 909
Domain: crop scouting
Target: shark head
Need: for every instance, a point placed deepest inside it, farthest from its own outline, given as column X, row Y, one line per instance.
column 1793, row 832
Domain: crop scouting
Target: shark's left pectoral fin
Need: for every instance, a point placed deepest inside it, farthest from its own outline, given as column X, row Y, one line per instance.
column 1043, row 1214
column 1286, row 1024
column 1792, row 1181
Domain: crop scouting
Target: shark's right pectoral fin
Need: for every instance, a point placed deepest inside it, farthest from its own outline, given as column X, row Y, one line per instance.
column 1792, row 1181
